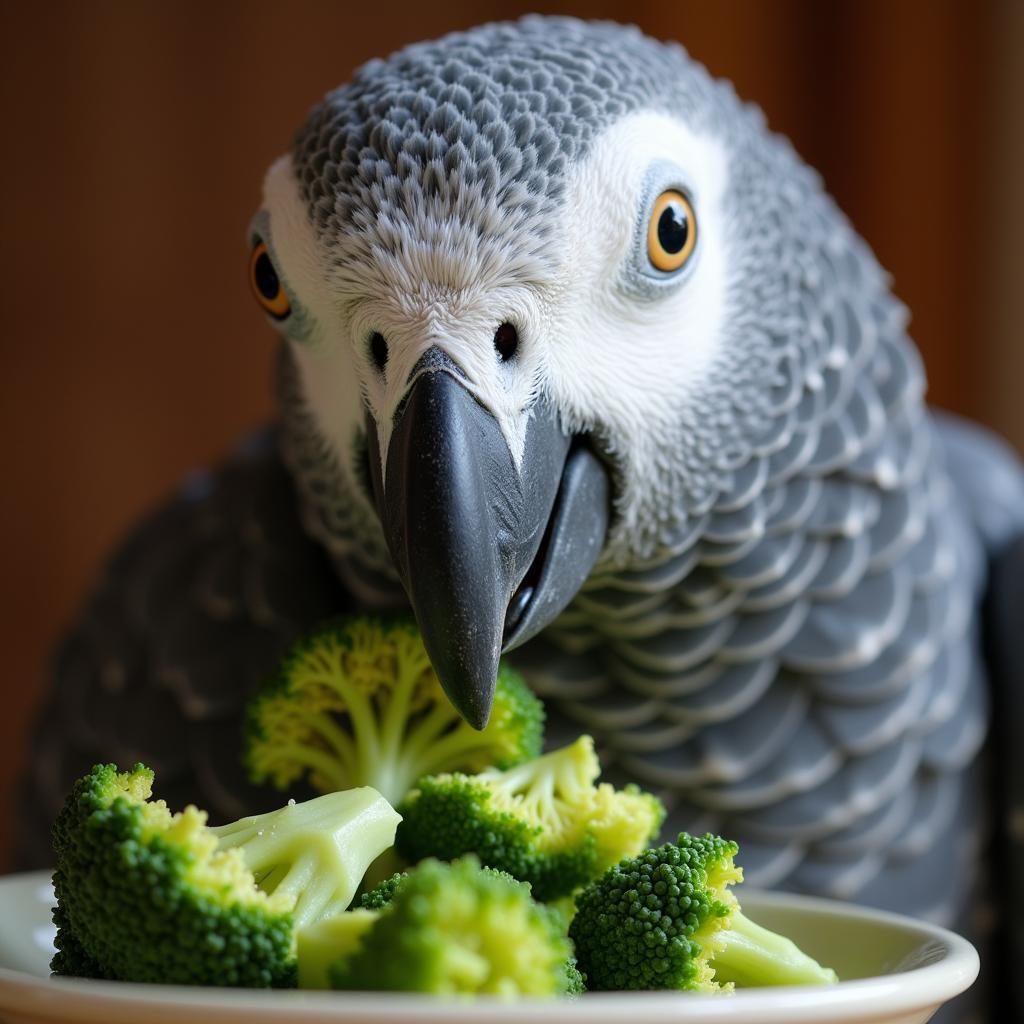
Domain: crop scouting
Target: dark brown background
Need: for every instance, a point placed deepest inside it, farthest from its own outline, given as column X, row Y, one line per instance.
column 136, row 138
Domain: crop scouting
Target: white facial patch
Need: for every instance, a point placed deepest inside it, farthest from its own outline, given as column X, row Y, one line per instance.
column 461, row 324
column 329, row 380
column 623, row 363
column 621, row 359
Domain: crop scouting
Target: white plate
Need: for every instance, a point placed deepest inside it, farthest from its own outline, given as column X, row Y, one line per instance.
column 895, row 971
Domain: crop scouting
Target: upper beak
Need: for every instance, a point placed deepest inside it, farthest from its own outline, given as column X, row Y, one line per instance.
column 489, row 552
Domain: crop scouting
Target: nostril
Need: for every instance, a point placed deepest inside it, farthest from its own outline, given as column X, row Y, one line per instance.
column 506, row 341
column 379, row 350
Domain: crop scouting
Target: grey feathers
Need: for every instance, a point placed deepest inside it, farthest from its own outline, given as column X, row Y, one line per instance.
column 333, row 511
column 796, row 667
column 502, row 110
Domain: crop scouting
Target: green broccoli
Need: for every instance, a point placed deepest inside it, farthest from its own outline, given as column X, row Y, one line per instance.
column 384, row 892
column 319, row 946
column 449, row 929
column 667, row 920
column 147, row 895
column 545, row 822
column 357, row 703
column 335, row 939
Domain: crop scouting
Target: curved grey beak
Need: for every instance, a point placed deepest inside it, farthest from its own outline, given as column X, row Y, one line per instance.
column 489, row 553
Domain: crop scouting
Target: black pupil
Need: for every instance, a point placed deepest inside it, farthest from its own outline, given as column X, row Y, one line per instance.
column 267, row 283
column 673, row 228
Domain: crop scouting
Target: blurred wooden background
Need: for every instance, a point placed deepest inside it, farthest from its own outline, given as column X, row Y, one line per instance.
column 137, row 135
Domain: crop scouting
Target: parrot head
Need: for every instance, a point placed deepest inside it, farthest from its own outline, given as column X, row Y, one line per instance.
column 543, row 287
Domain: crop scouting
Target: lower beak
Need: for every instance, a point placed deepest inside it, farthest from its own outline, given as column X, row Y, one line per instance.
column 489, row 552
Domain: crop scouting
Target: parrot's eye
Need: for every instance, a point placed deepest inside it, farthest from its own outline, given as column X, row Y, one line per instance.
column 266, row 284
column 671, row 232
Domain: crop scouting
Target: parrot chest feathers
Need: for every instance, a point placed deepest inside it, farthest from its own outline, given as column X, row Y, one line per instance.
column 798, row 669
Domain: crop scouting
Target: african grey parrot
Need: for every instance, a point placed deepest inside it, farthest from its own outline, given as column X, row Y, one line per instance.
column 581, row 362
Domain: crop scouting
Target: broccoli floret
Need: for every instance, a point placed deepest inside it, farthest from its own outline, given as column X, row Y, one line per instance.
column 575, row 979
column 357, row 703
column 70, row 959
column 545, row 822
column 667, row 920
column 323, row 944
column 147, row 895
column 456, row 929
column 382, row 893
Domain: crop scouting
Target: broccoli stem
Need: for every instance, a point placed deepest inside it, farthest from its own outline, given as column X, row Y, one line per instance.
column 430, row 746
column 273, row 854
column 314, row 852
column 749, row 955
column 426, row 731
column 386, row 772
column 396, row 714
column 366, row 738
column 436, row 750
column 336, row 739
column 317, row 761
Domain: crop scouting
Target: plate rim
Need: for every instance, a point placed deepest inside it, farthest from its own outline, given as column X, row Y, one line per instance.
column 919, row 987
